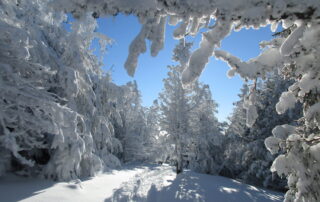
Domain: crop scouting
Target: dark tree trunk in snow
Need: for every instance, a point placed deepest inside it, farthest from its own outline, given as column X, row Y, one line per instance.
column 179, row 167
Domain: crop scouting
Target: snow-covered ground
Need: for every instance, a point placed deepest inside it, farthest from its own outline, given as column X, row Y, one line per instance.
column 135, row 183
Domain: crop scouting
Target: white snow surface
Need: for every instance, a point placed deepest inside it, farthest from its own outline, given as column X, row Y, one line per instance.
column 135, row 183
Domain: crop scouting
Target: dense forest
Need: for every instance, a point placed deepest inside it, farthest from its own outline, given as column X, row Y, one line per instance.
column 62, row 117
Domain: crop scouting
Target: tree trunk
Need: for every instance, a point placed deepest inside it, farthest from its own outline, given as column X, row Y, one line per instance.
column 179, row 165
column 178, row 168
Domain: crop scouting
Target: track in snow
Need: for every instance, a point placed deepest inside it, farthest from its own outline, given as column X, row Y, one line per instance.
column 160, row 184
column 143, row 183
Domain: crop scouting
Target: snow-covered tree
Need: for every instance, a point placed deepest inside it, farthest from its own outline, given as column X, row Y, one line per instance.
column 251, row 161
column 206, row 136
column 237, row 119
column 175, row 107
column 153, row 142
column 188, row 118
column 54, row 108
column 24, row 23
column 132, row 129
column 234, row 141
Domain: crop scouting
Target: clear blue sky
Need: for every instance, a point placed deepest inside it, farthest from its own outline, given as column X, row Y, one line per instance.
column 152, row 70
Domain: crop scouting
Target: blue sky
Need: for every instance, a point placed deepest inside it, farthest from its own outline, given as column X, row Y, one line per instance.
column 152, row 70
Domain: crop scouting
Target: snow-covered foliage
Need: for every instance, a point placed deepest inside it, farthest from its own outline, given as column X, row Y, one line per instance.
column 206, row 140
column 192, row 131
column 246, row 156
column 132, row 129
column 34, row 43
column 226, row 14
column 60, row 115
column 154, row 141
column 174, row 109
column 54, row 100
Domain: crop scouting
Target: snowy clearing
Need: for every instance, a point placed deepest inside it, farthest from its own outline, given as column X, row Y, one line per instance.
column 135, row 183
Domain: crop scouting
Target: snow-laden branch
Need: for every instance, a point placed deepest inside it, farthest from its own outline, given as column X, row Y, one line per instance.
column 227, row 14
column 153, row 30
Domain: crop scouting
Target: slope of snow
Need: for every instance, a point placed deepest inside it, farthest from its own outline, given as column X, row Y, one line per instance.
column 135, row 183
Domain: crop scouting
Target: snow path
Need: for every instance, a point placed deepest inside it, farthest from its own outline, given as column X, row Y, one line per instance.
column 140, row 183
column 160, row 184
column 13, row 188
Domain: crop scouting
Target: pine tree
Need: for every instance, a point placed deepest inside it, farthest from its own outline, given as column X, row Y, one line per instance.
column 253, row 159
column 175, row 106
column 188, row 118
column 54, row 99
column 132, row 129
column 153, row 141
column 206, row 132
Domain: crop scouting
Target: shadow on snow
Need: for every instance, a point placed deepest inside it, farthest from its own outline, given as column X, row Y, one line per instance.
column 190, row 186
column 19, row 188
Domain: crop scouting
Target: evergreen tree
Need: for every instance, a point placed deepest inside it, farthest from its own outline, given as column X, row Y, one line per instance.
column 54, row 105
column 132, row 129
column 253, row 159
column 188, row 118
column 206, row 132
column 175, row 106
column 153, row 143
